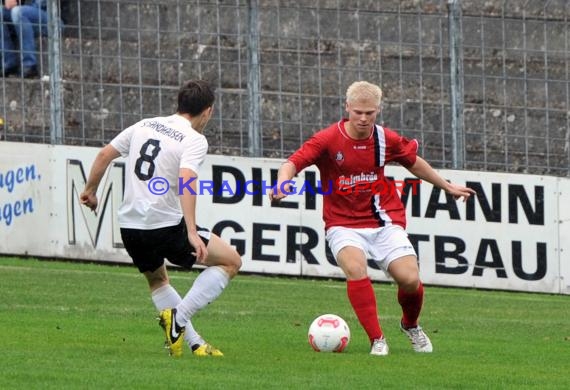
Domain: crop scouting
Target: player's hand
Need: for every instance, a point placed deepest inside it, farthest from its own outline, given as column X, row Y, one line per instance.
column 89, row 200
column 200, row 250
column 460, row 191
column 279, row 192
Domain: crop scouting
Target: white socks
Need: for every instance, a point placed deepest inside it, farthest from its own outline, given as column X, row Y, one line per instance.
column 206, row 288
column 167, row 297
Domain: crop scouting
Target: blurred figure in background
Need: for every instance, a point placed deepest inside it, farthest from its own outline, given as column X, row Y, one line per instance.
column 22, row 22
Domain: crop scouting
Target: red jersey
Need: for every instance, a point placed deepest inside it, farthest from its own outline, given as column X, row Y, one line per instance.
column 356, row 192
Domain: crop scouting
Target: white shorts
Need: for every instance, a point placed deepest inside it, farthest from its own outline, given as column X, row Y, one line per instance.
column 383, row 244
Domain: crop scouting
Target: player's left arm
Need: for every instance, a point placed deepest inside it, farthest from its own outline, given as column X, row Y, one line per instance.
column 424, row 171
column 104, row 157
column 188, row 204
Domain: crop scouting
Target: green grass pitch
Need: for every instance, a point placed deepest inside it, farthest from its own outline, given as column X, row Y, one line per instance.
column 69, row 325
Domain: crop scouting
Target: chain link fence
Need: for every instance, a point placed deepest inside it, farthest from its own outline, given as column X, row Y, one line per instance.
column 281, row 69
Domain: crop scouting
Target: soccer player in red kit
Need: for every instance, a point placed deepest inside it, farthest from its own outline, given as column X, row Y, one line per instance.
column 364, row 217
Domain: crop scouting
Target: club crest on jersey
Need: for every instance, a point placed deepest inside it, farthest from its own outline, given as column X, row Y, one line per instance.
column 339, row 158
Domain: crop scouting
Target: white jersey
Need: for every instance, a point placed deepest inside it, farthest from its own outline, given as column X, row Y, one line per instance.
column 156, row 147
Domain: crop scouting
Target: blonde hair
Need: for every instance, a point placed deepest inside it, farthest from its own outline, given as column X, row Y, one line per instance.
column 363, row 90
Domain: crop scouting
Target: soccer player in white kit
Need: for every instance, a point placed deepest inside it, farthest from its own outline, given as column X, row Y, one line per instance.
column 364, row 217
column 155, row 227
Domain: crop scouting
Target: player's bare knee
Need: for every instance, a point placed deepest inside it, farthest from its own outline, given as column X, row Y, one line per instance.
column 409, row 284
column 235, row 265
column 231, row 265
column 155, row 282
column 238, row 263
column 355, row 272
column 156, row 278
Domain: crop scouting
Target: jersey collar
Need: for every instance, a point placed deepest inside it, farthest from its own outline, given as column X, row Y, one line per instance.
column 342, row 129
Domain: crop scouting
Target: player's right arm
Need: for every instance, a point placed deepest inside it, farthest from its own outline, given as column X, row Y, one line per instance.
column 104, row 157
column 286, row 172
column 306, row 155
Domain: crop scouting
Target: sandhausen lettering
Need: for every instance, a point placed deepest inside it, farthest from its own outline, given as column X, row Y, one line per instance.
column 168, row 131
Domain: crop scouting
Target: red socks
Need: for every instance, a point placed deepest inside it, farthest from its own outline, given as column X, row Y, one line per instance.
column 363, row 300
column 411, row 306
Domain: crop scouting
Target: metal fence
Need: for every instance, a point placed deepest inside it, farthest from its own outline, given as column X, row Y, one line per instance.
column 481, row 85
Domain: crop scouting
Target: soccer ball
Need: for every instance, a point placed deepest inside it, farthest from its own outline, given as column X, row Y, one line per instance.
column 329, row 333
